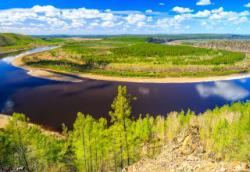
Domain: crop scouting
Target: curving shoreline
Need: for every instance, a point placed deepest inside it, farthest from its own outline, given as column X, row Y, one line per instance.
column 61, row 76
column 76, row 77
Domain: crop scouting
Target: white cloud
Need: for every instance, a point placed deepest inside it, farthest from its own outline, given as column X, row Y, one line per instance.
column 141, row 24
column 204, row 13
column 134, row 18
column 220, row 15
column 161, row 4
column 77, row 23
column 48, row 10
column 226, row 90
column 247, row 5
column 244, row 13
column 203, row 2
column 108, row 24
column 149, row 11
column 173, row 22
column 52, row 20
column 182, row 10
column 241, row 20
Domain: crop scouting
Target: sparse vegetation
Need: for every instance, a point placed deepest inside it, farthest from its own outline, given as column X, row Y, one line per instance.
column 98, row 145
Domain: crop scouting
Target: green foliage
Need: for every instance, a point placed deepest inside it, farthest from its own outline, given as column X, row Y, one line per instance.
column 227, row 131
column 121, row 106
column 88, row 143
column 25, row 145
column 97, row 145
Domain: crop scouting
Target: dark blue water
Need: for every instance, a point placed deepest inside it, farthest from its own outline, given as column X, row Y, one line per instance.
column 52, row 103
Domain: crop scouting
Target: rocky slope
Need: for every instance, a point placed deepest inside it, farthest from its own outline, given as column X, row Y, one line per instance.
column 186, row 153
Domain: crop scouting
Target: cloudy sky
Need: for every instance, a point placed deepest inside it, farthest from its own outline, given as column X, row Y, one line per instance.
column 124, row 16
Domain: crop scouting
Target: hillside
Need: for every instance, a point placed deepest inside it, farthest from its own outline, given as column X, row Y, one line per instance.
column 10, row 39
column 186, row 153
column 10, row 42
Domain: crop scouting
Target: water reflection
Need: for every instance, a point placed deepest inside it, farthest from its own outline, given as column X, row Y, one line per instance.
column 144, row 90
column 227, row 90
column 8, row 106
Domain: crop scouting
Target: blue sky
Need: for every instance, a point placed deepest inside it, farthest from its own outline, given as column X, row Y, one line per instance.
column 124, row 16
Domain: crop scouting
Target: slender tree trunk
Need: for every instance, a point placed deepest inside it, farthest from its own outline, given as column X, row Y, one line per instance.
column 126, row 140
column 22, row 152
column 121, row 152
column 84, row 149
column 115, row 161
column 101, row 159
column 90, row 152
column 96, row 156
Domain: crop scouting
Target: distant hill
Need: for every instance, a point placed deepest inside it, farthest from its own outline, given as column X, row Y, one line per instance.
column 174, row 37
column 11, row 39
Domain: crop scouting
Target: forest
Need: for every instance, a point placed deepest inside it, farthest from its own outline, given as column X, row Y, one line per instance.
column 111, row 145
column 130, row 56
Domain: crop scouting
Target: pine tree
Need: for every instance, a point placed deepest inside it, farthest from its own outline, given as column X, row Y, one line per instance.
column 121, row 111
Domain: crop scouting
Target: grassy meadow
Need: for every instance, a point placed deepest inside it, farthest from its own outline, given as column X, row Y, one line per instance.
column 101, row 145
column 130, row 56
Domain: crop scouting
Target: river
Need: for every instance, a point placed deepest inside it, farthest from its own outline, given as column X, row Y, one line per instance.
column 51, row 103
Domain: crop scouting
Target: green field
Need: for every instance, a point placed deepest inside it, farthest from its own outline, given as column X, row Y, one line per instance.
column 136, row 57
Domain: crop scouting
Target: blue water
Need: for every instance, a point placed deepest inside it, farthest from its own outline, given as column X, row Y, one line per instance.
column 52, row 103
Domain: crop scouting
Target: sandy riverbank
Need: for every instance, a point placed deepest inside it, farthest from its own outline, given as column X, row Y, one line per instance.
column 60, row 76
column 4, row 119
column 41, row 73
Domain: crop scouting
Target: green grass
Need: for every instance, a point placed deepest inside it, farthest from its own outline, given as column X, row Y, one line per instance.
column 135, row 57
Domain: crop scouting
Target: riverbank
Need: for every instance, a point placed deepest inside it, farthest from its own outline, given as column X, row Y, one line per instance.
column 42, row 73
column 63, row 76
column 4, row 120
